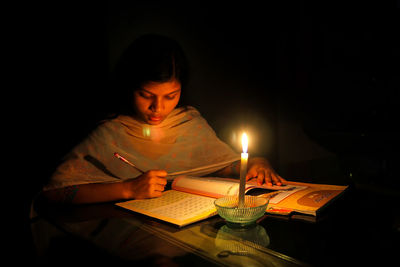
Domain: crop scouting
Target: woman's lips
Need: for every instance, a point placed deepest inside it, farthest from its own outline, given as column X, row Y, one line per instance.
column 155, row 118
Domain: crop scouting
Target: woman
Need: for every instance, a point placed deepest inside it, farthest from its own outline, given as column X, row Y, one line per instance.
column 151, row 130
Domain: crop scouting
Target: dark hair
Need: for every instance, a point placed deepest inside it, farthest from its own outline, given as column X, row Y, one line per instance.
column 150, row 58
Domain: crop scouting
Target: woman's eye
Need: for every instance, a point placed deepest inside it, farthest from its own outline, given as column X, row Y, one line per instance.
column 170, row 97
column 144, row 95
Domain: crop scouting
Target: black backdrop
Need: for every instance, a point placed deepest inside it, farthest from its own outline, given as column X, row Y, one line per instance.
column 332, row 67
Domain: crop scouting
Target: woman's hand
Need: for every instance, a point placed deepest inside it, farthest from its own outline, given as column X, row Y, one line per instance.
column 260, row 168
column 148, row 185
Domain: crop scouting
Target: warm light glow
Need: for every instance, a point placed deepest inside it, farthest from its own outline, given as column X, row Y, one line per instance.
column 244, row 142
column 146, row 131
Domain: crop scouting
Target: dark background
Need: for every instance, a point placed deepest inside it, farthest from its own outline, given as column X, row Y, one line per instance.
column 315, row 84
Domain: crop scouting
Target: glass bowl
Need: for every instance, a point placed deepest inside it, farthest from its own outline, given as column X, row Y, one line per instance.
column 254, row 208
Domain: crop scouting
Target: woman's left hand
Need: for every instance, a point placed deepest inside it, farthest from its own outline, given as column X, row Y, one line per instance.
column 261, row 169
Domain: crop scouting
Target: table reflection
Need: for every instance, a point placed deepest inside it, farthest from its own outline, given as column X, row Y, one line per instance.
column 245, row 242
column 113, row 235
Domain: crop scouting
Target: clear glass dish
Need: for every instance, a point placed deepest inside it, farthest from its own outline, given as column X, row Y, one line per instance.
column 254, row 208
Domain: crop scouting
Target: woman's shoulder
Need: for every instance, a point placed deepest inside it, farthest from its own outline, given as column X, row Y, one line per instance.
column 189, row 111
column 192, row 115
column 106, row 127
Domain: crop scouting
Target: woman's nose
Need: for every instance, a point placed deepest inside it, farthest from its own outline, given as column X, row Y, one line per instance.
column 156, row 105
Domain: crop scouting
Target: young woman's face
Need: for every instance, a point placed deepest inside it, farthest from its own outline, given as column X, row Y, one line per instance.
column 154, row 101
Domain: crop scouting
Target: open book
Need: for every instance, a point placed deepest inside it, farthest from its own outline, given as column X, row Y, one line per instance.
column 191, row 199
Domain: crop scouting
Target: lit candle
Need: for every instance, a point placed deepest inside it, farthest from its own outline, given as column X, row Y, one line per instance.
column 243, row 170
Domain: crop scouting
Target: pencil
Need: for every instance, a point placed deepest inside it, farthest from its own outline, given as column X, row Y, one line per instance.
column 118, row 156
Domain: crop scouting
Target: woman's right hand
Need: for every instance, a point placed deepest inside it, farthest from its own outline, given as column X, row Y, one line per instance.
column 148, row 185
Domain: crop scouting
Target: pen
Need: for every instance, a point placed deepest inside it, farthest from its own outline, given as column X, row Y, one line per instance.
column 127, row 161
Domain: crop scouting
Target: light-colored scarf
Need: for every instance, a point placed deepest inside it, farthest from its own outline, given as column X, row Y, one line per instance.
column 182, row 142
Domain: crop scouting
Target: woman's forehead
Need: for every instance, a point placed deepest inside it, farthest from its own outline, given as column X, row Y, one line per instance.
column 162, row 87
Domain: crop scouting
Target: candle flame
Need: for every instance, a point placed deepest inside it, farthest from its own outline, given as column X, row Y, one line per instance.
column 244, row 142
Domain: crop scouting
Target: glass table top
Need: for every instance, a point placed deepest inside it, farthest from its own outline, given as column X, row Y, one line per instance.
column 348, row 232
column 134, row 237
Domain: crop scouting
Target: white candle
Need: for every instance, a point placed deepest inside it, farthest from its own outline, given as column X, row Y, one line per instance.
column 243, row 170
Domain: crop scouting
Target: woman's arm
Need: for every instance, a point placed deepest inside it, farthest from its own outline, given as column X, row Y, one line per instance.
column 232, row 170
column 148, row 185
column 87, row 193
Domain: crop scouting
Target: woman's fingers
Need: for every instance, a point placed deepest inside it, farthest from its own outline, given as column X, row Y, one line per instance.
column 264, row 176
column 252, row 173
column 267, row 177
column 158, row 187
column 283, row 181
column 157, row 173
column 150, row 184
column 276, row 179
column 261, row 177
